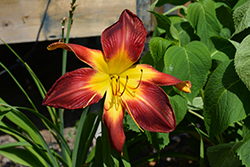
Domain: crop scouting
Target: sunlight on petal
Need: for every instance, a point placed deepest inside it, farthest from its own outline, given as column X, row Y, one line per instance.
column 92, row 57
column 123, row 42
column 150, row 107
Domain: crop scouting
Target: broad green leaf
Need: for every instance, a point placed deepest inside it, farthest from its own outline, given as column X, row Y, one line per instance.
column 230, row 3
column 175, row 18
column 225, row 99
column 21, row 156
column 235, row 44
column 223, row 155
column 202, row 17
column 131, row 123
column 158, row 47
column 223, row 49
column 147, row 59
column 224, row 45
column 242, row 61
column 224, row 15
column 244, row 151
column 241, row 17
column 186, row 33
column 179, row 105
column 158, row 140
column 225, row 32
column 197, row 104
column 239, row 3
column 191, row 62
column 164, row 22
column 246, row 129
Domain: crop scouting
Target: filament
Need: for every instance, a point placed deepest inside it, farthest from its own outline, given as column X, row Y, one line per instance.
column 118, row 83
column 124, row 86
column 139, row 81
column 130, row 113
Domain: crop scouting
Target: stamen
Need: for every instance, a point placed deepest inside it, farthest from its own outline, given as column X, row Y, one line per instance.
column 112, row 86
column 139, row 81
column 118, row 83
column 132, row 115
column 124, row 86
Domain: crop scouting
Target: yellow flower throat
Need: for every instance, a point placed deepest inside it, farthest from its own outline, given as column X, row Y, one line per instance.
column 119, row 85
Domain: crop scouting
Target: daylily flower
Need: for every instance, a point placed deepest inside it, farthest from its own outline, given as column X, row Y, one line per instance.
column 125, row 86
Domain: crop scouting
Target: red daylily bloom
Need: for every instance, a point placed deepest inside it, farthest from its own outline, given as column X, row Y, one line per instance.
column 127, row 86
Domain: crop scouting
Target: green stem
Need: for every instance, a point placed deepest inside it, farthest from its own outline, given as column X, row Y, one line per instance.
column 64, row 59
column 201, row 145
column 196, row 114
column 202, row 94
column 64, row 65
column 63, row 20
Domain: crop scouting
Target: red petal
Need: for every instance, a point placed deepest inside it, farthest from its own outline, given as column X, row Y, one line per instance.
column 150, row 74
column 113, row 119
column 150, row 107
column 92, row 57
column 77, row 89
column 123, row 42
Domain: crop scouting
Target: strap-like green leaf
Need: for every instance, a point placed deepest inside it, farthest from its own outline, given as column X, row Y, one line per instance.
column 86, row 130
column 21, row 156
column 30, row 129
column 158, row 47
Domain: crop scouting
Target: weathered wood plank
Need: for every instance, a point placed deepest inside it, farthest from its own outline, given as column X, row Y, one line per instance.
column 20, row 19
